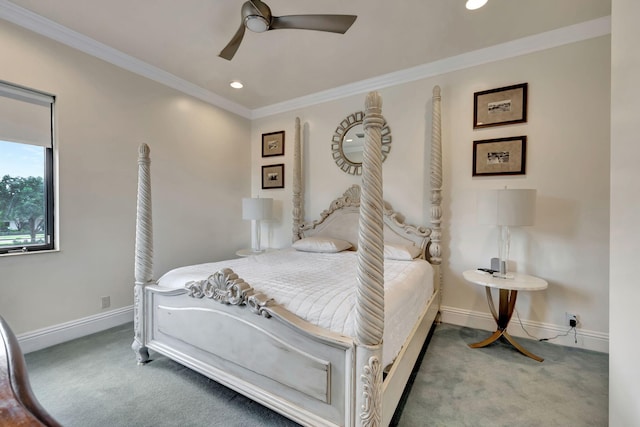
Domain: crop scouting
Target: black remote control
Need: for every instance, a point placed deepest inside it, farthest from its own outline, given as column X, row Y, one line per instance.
column 487, row 270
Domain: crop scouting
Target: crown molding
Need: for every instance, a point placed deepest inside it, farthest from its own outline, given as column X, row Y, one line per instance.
column 547, row 40
column 48, row 28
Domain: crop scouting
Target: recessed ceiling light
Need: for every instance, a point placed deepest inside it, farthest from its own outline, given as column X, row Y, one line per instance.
column 475, row 4
column 236, row 84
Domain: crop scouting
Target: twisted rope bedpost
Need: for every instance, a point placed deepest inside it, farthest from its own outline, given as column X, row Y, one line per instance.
column 144, row 252
column 370, row 291
column 435, row 250
column 298, row 212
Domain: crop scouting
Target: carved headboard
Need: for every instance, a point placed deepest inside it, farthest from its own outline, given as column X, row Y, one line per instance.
column 429, row 239
column 341, row 221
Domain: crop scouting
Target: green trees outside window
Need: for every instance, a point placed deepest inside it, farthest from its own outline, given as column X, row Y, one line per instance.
column 22, row 210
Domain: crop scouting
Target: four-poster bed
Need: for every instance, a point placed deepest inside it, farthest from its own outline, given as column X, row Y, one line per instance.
column 249, row 324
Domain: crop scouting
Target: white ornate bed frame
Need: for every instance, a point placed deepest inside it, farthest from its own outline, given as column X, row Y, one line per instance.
column 225, row 330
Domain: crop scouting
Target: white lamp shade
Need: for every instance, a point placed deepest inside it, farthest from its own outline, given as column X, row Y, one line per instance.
column 256, row 208
column 510, row 207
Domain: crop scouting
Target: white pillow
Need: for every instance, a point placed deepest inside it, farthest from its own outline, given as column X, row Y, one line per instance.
column 321, row 244
column 401, row 252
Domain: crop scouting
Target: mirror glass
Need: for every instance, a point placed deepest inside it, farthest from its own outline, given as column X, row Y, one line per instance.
column 347, row 145
column 353, row 144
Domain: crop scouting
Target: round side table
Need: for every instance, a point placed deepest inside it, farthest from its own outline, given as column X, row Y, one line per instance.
column 508, row 293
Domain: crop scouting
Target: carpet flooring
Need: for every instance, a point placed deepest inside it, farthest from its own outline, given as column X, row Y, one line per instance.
column 95, row 381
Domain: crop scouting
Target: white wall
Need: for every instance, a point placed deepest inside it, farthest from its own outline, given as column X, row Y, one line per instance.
column 567, row 162
column 200, row 158
column 624, row 370
column 104, row 113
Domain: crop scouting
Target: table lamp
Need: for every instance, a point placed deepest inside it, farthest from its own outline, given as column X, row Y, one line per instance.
column 506, row 208
column 256, row 209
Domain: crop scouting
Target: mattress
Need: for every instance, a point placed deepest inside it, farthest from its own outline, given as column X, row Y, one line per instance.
column 320, row 288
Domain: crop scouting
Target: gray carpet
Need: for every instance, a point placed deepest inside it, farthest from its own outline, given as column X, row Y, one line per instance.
column 498, row 386
column 94, row 381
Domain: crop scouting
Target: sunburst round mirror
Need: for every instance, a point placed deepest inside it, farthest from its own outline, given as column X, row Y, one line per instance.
column 347, row 144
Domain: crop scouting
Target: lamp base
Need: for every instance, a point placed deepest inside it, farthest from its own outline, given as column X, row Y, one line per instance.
column 249, row 252
column 500, row 269
column 255, row 240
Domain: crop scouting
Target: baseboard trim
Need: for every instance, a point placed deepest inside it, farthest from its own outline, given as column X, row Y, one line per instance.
column 586, row 339
column 56, row 334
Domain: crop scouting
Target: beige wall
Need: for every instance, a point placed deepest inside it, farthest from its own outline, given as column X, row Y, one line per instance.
column 567, row 162
column 624, row 370
column 200, row 158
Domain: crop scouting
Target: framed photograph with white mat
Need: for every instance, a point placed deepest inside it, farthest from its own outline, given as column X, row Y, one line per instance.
column 273, row 176
column 501, row 156
column 501, row 106
column 273, row 144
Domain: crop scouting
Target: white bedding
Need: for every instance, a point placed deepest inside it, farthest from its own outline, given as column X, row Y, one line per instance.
column 320, row 288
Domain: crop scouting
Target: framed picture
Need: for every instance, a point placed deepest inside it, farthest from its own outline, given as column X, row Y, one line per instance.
column 273, row 144
column 273, row 176
column 502, row 106
column 502, row 156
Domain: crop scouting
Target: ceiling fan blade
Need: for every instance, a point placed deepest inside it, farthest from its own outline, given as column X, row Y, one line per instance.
column 231, row 48
column 330, row 23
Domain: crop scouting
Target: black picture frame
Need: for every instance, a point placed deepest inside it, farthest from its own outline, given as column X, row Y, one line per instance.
column 273, row 176
column 273, row 144
column 500, row 156
column 502, row 106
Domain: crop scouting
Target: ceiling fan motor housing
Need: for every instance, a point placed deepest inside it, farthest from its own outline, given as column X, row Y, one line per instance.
column 257, row 24
column 256, row 16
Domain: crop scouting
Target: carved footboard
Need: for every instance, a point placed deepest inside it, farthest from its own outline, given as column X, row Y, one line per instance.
column 223, row 329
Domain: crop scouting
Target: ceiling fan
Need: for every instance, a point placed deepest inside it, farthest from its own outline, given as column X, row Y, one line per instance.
column 257, row 17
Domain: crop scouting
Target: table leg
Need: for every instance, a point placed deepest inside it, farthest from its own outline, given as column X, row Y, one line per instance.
column 497, row 334
column 506, row 307
column 520, row 348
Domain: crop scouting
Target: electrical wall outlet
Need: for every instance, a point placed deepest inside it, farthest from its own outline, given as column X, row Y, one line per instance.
column 572, row 319
column 105, row 302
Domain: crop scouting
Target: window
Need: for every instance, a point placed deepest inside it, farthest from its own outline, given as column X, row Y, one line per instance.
column 26, row 170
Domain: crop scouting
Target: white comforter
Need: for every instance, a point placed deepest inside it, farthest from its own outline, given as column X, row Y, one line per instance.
column 320, row 288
